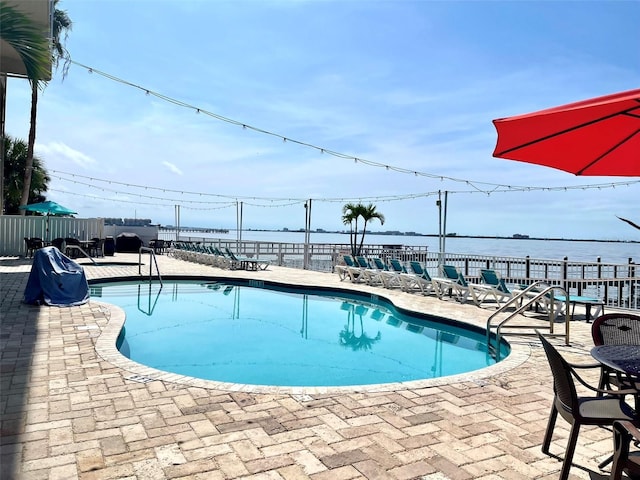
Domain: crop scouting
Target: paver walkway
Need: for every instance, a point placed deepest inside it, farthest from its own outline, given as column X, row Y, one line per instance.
column 67, row 412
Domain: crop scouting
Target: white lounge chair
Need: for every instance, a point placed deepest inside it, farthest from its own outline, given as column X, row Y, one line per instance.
column 418, row 279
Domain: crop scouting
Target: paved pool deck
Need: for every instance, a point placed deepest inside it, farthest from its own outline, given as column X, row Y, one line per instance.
column 73, row 408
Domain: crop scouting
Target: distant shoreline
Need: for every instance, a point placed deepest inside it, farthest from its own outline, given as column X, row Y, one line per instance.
column 402, row 234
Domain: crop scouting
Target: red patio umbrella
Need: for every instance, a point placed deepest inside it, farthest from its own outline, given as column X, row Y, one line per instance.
column 600, row 136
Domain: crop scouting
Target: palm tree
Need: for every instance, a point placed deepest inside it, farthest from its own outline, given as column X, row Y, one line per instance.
column 350, row 214
column 61, row 27
column 15, row 154
column 368, row 213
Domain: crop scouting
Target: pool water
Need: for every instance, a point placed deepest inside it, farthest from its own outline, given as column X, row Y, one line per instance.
column 250, row 333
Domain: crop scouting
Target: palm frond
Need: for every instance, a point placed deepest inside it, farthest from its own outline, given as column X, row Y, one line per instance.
column 28, row 40
column 629, row 222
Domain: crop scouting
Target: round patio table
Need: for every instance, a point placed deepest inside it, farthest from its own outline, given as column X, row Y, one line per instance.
column 621, row 358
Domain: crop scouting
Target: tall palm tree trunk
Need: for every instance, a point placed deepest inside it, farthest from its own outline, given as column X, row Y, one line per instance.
column 26, row 186
column 354, row 246
column 364, row 229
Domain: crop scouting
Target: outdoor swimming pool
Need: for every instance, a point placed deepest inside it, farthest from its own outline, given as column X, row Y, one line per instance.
column 247, row 332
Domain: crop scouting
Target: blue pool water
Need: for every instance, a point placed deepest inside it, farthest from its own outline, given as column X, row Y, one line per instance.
column 259, row 334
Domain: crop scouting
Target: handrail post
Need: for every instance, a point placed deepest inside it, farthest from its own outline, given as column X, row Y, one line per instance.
column 631, row 274
column 152, row 260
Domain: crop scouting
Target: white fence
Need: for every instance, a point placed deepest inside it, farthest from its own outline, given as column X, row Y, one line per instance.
column 13, row 229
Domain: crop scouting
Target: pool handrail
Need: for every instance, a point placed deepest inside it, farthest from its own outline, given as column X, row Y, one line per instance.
column 531, row 295
column 152, row 261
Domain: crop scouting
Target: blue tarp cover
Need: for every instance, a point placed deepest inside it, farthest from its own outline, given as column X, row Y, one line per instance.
column 56, row 280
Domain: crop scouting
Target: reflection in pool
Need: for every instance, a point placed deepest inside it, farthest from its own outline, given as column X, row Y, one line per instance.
column 251, row 333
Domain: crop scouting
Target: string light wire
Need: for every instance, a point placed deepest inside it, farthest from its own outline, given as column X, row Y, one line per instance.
column 282, row 202
column 477, row 185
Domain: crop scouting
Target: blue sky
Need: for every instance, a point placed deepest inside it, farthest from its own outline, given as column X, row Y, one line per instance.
column 412, row 85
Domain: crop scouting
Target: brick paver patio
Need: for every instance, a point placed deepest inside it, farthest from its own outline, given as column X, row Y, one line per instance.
column 71, row 408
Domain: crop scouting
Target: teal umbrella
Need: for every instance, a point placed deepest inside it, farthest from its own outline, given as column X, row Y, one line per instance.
column 48, row 208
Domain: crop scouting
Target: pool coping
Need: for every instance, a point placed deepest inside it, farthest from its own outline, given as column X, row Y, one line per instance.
column 106, row 348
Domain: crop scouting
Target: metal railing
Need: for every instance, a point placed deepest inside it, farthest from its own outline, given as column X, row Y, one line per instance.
column 533, row 295
column 78, row 248
column 618, row 285
column 152, row 261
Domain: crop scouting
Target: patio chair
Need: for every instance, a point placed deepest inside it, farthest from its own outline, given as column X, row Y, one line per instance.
column 247, row 263
column 616, row 329
column 418, row 279
column 392, row 277
column 579, row 410
column 31, row 245
column 387, row 275
column 396, row 266
column 350, row 270
column 379, row 264
column 494, row 285
column 455, row 281
column 72, row 246
column 59, row 243
column 223, row 260
column 367, row 272
column 623, row 460
column 97, row 247
column 157, row 245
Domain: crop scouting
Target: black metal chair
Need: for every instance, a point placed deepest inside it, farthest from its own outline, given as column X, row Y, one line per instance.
column 70, row 250
column 615, row 329
column 97, row 247
column 624, row 433
column 157, row 245
column 31, row 245
column 579, row 410
column 59, row 243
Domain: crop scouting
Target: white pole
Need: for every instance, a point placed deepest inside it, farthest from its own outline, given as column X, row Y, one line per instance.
column 305, row 263
column 444, row 226
column 307, row 233
column 177, row 215
column 238, row 225
column 439, row 205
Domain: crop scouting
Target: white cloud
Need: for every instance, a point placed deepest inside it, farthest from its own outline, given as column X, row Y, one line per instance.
column 172, row 167
column 60, row 151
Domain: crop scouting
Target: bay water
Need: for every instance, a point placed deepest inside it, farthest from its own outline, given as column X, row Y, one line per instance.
column 574, row 250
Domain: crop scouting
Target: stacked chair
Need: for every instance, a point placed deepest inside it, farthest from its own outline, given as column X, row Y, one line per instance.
column 209, row 255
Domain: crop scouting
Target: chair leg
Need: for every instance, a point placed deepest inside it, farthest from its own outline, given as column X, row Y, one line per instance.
column 571, row 447
column 621, row 442
column 550, row 426
column 604, row 382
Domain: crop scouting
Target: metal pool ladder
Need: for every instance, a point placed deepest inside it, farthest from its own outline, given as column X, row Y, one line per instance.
column 152, row 261
column 532, row 295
